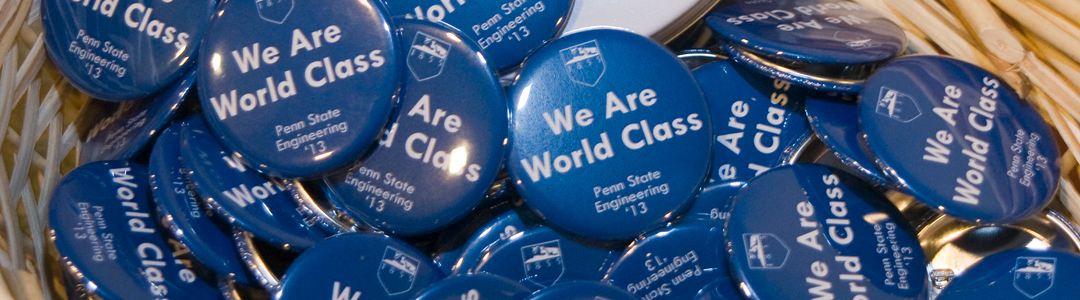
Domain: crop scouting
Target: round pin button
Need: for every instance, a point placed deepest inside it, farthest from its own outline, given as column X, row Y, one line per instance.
column 1018, row 274
column 102, row 223
column 188, row 218
column 673, row 263
column 713, row 203
column 307, row 95
column 835, row 122
column 475, row 287
column 610, row 135
column 437, row 160
column 539, row 257
column 828, row 234
column 662, row 21
column 507, row 32
column 822, row 44
column 352, row 265
column 956, row 137
column 123, row 130
column 582, row 290
column 242, row 196
column 120, row 51
column 765, row 126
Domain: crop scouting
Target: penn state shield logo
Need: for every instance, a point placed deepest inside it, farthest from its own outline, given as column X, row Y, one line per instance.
column 397, row 272
column 1034, row 275
column 427, row 56
column 897, row 105
column 584, row 63
column 765, row 251
column 275, row 11
column 543, row 262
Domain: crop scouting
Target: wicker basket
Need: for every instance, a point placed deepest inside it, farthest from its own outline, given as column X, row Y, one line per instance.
column 39, row 108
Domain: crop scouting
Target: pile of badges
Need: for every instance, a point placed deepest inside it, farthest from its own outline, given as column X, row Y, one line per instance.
column 472, row 149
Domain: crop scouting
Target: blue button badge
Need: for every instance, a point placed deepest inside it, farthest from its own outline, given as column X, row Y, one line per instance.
column 306, row 95
column 207, row 236
column 1018, row 274
column 610, row 135
column 673, row 263
column 539, row 257
column 120, row 51
column 825, row 234
column 123, row 130
column 957, row 138
column 352, row 265
column 762, row 126
column 438, row 158
column 821, row 44
column 247, row 199
column 507, row 32
column 102, row 223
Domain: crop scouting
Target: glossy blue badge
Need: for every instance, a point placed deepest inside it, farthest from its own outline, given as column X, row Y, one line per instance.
column 957, row 138
column 208, row 237
column 835, row 120
column 610, row 135
column 713, row 203
column 499, row 229
column 242, row 196
column 672, row 263
column 1018, row 274
column 124, row 50
column 507, row 31
column 101, row 221
column 823, row 44
column 718, row 290
column 810, row 231
column 582, row 290
column 475, row 287
column 299, row 89
column 352, row 265
column 124, row 130
column 540, row 257
column 760, row 122
column 436, row 161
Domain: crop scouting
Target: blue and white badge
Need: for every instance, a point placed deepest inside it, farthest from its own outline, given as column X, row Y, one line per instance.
column 610, row 135
column 506, row 31
column 824, row 233
column 662, row 21
column 582, row 290
column 1018, row 274
column 713, row 203
column 242, row 196
column 835, row 122
column 123, row 130
column 124, row 50
column 672, row 263
column 822, row 44
column 444, row 149
column 957, row 138
column 765, row 126
column 351, row 265
column 299, row 90
column 102, row 223
column 540, row 257
column 499, row 229
column 718, row 290
column 475, row 287
column 189, row 220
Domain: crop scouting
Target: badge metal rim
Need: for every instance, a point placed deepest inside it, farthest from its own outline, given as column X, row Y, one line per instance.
column 684, row 23
column 254, row 261
column 778, row 70
column 324, row 214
